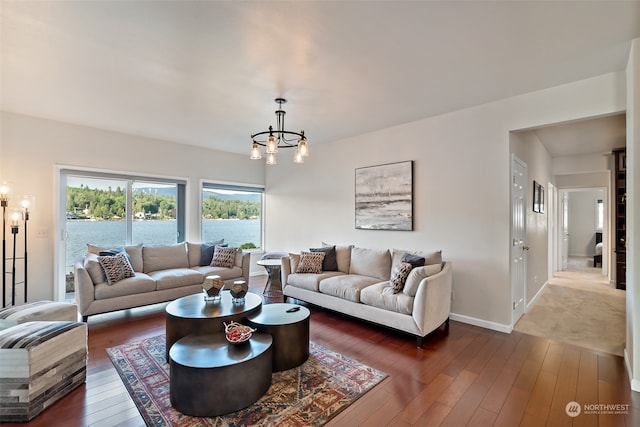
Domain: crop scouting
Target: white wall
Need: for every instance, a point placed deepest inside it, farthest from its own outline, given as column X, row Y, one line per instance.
column 461, row 188
column 31, row 148
column 582, row 222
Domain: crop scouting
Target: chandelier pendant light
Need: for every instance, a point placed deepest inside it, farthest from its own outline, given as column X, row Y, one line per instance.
column 274, row 139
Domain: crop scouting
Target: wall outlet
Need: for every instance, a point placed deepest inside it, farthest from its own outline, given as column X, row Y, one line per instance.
column 42, row 233
column 453, row 295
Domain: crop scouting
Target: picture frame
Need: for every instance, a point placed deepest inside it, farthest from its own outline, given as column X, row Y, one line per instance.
column 538, row 197
column 384, row 197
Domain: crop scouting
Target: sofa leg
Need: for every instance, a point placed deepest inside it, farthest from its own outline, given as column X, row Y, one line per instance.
column 85, row 319
column 419, row 341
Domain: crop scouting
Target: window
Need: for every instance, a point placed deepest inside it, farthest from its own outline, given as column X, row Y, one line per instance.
column 232, row 213
column 599, row 215
column 114, row 210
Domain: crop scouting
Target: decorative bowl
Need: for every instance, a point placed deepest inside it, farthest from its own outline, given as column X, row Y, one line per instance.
column 237, row 333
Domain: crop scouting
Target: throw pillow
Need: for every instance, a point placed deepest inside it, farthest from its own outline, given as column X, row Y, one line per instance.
column 399, row 276
column 417, row 275
column 95, row 270
column 115, row 251
column 116, row 267
column 414, row 260
column 207, row 249
column 294, row 259
column 223, row 257
column 330, row 262
column 310, row 262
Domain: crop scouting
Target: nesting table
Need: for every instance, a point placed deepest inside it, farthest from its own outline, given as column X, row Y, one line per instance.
column 288, row 324
column 193, row 315
column 210, row 377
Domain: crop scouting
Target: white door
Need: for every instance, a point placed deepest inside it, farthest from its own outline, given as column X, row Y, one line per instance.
column 518, row 237
column 564, row 220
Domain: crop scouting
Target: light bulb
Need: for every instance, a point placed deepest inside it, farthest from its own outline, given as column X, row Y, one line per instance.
column 255, row 152
column 303, row 147
column 272, row 145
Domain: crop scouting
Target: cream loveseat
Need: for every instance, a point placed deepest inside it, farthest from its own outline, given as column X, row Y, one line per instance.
column 359, row 282
column 160, row 273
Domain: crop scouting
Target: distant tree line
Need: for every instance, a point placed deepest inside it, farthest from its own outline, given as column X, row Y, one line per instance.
column 216, row 208
column 85, row 203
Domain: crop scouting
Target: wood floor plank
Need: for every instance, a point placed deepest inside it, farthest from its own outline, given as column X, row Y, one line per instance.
column 463, row 375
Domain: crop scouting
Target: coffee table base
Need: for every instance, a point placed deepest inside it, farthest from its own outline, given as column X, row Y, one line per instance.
column 210, row 377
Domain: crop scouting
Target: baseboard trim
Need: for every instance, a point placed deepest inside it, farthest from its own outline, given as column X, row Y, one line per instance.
column 481, row 323
column 535, row 297
column 635, row 384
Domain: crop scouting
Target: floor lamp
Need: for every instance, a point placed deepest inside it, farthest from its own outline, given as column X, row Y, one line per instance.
column 25, row 218
column 4, row 201
column 14, row 230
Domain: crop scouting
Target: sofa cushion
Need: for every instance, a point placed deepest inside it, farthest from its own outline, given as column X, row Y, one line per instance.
column 416, row 275
column 399, row 276
column 430, row 258
column 95, row 270
column 310, row 262
column 139, row 284
column 223, row 257
column 371, row 262
column 116, row 267
column 381, row 295
column 134, row 252
column 176, row 278
column 343, row 256
column 310, row 281
column 346, row 286
column 196, row 250
column 164, row 257
column 224, row 273
column 330, row 262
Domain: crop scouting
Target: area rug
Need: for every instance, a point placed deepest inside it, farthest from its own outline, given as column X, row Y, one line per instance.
column 577, row 312
column 309, row 395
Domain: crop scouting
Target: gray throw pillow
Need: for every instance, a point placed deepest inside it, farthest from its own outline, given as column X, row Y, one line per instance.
column 330, row 262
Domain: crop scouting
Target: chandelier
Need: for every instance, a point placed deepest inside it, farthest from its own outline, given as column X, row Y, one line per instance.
column 274, row 139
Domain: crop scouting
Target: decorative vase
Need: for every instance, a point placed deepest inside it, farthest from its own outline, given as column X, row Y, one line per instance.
column 211, row 287
column 238, row 291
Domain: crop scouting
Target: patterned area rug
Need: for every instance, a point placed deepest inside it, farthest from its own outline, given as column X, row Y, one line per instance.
column 309, row 395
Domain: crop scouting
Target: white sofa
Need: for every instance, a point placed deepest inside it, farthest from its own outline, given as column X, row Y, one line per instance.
column 360, row 287
column 161, row 273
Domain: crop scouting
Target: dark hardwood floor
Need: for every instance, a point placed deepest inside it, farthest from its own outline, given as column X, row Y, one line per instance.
column 464, row 375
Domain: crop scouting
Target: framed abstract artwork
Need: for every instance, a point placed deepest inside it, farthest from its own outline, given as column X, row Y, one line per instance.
column 538, row 197
column 384, row 197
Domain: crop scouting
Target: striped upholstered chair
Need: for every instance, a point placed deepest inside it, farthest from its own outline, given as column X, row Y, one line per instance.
column 43, row 356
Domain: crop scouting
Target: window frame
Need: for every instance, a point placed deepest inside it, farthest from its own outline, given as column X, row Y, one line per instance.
column 233, row 186
column 61, row 180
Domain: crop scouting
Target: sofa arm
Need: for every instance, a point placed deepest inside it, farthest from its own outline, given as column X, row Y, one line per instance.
column 246, row 265
column 285, row 271
column 432, row 303
column 83, row 286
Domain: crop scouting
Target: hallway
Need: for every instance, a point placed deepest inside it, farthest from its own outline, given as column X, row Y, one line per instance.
column 579, row 306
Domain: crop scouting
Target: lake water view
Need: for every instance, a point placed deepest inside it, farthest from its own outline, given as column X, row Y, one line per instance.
column 151, row 233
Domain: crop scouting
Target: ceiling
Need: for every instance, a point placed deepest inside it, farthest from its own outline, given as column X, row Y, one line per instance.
column 206, row 72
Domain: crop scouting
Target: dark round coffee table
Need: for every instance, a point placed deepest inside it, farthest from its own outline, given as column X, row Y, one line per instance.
column 290, row 332
column 193, row 315
column 210, row 377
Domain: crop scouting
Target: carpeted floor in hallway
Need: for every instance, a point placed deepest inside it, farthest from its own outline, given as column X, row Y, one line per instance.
column 579, row 307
